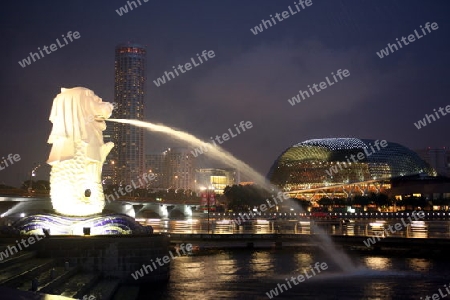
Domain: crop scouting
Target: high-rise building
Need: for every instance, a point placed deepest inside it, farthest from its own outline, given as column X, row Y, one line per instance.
column 108, row 164
column 154, row 163
column 439, row 159
column 179, row 168
column 128, row 153
column 216, row 179
column 448, row 163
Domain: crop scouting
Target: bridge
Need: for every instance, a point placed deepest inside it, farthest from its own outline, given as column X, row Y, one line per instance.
column 344, row 190
column 18, row 206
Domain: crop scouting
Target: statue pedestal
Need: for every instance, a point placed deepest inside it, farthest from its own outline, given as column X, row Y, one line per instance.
column 113, row 224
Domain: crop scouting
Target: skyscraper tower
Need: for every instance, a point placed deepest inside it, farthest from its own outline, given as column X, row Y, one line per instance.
column 179, row 168
column 128, row 156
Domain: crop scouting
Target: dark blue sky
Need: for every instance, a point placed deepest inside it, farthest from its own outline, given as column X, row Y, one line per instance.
column 250, row 78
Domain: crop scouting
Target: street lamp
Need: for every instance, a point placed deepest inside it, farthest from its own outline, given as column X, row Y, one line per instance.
column 207, row 203
column 32, row 174
column 205, row 192
column 208, row 197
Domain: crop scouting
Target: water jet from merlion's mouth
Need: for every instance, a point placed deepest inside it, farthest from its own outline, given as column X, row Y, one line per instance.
column 216, row 152
column 219, row 154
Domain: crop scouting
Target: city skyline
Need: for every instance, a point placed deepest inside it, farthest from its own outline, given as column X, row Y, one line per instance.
column 250, row 77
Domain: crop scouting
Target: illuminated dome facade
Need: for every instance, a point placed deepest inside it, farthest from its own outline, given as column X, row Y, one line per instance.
column 325, row 162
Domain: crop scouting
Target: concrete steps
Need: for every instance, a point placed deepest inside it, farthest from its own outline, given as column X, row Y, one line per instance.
column 18, row 257
column 105, row 289
column 41, row 279
column 126, row 293
column 76, row 286
column 25, row 271
column 54, row 277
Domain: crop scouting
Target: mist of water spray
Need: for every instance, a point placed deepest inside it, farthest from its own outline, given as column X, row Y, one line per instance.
column 219, row 154
column 215, row 152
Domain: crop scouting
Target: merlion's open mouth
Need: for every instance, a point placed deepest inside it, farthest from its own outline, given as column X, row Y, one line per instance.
column 99, row 118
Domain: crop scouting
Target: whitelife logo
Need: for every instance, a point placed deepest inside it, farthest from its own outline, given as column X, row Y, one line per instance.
column 319, row 267
column 262, row 208
column 187, row 66
column 12, row 158
column 431, row 118
column 34, row 56
column 398, row 226
column 130, row 187
column 359, row 155
column 284, row 15
column 319, row 87
column 411, row 38
column 124, row 9
column 225, row 137
column 165, row 260
column 31, row 240
column 438, row 296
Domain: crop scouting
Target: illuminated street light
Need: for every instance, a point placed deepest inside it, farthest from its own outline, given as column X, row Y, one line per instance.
column 32, row 174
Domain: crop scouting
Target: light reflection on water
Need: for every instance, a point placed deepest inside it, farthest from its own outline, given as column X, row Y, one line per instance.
column 260, row 264
column 378, row 263
column 419, row 264
column 249, row 274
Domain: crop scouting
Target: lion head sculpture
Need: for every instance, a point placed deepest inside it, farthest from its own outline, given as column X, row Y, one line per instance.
column 77, row 115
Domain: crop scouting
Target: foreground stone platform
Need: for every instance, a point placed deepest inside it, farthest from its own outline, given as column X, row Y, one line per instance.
column 12, row 294
column 74, row 266
column 112, row 256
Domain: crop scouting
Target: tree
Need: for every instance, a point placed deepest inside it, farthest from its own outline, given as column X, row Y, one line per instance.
column 305, row 204
column 363, row 201
column 42, row 185
column 325, row 201
column 244, row 198
column 6, row 187
column 413, row 202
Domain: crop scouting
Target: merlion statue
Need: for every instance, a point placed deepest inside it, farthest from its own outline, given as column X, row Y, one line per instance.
column 78, row 151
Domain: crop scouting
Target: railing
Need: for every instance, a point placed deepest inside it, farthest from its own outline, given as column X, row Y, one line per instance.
column 337, row 215
column 24, row 193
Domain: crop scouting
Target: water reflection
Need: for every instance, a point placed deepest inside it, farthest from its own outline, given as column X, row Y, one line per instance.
column 419, row 229
column 378, row 263
column 378, row 289
column 191, row 269
column 419, row 264
column 261, row 263
column 303, row 260
column 249, row 274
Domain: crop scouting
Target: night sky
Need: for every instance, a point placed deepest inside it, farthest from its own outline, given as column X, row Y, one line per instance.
column 250, row 78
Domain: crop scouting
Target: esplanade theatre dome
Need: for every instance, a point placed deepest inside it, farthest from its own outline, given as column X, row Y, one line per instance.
column 323, row 162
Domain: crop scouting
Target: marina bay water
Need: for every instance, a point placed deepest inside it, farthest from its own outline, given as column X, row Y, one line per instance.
column 223, row 156
column 249, row 274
